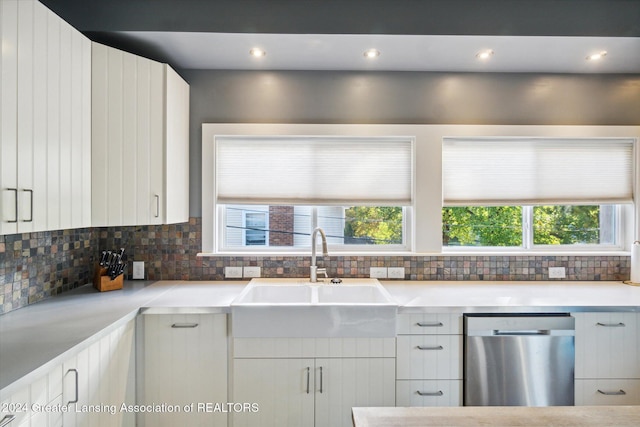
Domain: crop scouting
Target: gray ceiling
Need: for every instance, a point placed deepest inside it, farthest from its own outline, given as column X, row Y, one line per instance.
column 134, row 25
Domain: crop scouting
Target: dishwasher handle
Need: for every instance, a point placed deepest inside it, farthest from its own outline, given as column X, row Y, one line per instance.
column 508, row 333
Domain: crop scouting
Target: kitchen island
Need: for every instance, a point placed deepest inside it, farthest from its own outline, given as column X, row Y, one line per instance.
column 493, row 416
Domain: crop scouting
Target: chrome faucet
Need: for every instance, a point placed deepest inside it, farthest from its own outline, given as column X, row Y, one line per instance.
column 314, row 270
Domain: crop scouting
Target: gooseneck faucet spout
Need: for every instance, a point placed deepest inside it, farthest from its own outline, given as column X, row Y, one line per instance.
column 314, row 270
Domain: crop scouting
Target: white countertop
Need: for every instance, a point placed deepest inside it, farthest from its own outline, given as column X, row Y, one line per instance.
column 35, row 338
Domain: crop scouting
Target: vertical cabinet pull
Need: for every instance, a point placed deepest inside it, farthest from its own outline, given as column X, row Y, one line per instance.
column 30, row 205
column 157, row 205
column 611, row 325
column 308, row 379
column 6, row 420
column 320, row 379
column 15, row 192
column 75, row 371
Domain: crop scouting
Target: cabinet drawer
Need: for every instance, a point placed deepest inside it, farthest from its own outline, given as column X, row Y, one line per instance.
column 607, row 345
column 429, row 357
column 428, row 393
column 430, row 324
column 607, row 392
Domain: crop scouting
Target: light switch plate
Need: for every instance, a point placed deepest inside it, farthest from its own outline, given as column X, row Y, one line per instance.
column 233, row 272
column 557, row 272
column 396, row 272
column 378, row 272
column 138, row 270
column 251, row 271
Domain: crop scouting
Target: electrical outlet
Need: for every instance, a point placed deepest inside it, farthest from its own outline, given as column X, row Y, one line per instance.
column 557, row 272
column 233, row 272
column 378, row 272
column 396, row 272
column 138, row 270
column 251, row 271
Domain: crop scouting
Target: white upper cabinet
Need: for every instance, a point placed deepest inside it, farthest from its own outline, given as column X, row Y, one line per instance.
column 140, row 140
column 45, row 144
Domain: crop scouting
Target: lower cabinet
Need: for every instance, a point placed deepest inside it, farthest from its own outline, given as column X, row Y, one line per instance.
column 286, row 390
column 182, row 375
column 100, row 380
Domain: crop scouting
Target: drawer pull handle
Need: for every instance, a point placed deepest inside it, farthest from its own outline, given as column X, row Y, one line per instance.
column 184, row 325
column 613, row 393
column 6, row 420
column 75, row 371
column 430, row 393
column 611, row 325
column 430, row 324
column 426, row 347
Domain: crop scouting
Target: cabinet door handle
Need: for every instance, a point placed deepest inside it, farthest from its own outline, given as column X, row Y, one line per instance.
column 184, row 325
column 430, row 393
column 6, row 420
column 30, row 205
column 430, row 324
column 612, row 393
column 611, row 325
column 426, row 347
column 320, row 379
column 75, row 371
column 15, row 192
column 157, row 205
column 308, row 379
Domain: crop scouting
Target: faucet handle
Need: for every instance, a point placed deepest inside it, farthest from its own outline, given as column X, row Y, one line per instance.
column 323, row 271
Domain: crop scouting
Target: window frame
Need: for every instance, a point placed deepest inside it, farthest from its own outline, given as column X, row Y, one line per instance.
column 528, row 246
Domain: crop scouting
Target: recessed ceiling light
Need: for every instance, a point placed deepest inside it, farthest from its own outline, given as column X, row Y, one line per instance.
column 257, row 52
column 597, row 56
column 371, row 53
column 485, row 54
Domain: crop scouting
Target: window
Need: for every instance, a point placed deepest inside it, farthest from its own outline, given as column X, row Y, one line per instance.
column 527, row 227
column 535, row 193
column 271, row 192
column 288, row 228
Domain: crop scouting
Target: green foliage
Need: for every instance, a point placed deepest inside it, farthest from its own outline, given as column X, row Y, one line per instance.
column 566, row 225
column 482, row 226
column 502, row 225
column 373, row 225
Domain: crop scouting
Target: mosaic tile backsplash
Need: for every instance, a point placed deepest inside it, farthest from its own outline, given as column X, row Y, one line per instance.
column 35, row 266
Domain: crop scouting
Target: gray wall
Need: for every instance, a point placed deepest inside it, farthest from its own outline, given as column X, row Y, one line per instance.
column 403, row 98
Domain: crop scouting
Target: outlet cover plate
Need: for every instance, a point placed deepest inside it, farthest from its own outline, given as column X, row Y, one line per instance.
column 138, row 270
column 251, row 271
column 557, row 272
column 233, row 272
column 396, row 272
column 378, row 272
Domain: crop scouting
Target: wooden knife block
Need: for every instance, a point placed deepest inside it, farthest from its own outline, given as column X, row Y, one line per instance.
column 103, row 283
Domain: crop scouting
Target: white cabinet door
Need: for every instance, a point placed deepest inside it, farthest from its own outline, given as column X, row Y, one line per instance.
column 344, row 383
column 140, row 138
column 184, row 362
column 9, row 117
column 45, row 138
column 429, row 357
column 608, row 392
column 282, row 389
column 100, row 379
column 607, row 345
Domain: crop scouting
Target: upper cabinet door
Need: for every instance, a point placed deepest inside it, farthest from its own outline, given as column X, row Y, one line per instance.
column 45, row 140
column 140, row 140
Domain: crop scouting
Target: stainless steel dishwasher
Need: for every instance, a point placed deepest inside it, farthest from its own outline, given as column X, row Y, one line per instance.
column 519, row 360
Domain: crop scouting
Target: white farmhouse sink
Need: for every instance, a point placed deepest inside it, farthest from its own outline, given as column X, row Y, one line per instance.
column 298, row 308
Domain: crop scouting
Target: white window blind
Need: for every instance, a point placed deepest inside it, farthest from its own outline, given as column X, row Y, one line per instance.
column 314, row 170
column 530, row 171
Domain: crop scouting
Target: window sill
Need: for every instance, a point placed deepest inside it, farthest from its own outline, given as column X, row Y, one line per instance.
column 416, row 254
